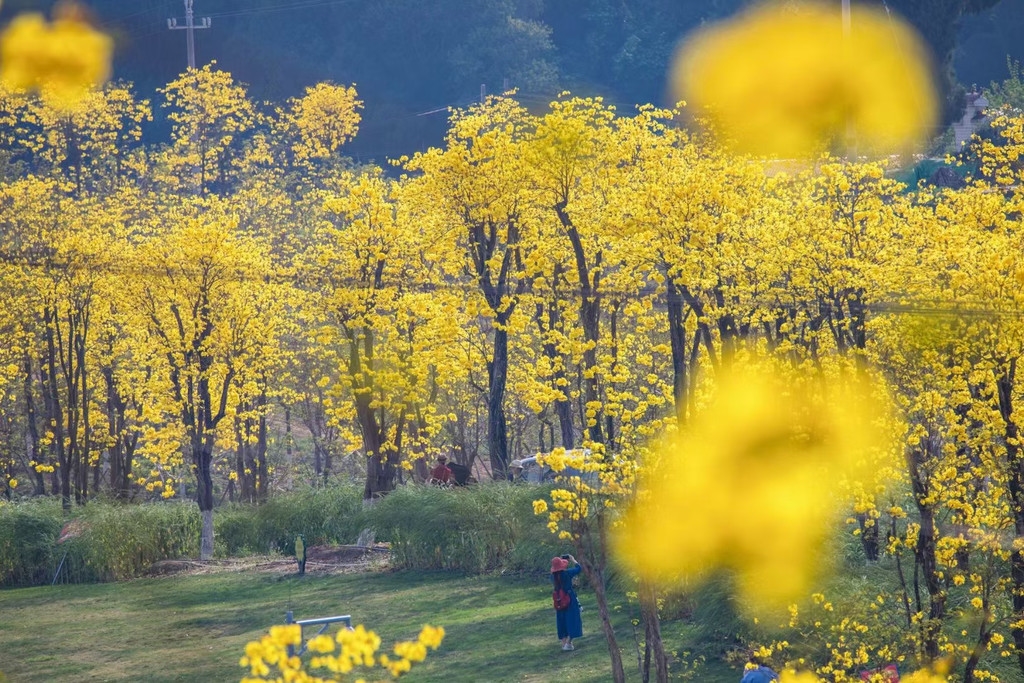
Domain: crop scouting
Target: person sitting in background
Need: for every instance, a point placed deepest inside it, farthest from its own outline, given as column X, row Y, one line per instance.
column 441, row 475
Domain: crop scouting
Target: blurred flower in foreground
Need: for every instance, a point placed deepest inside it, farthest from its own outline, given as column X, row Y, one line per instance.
column 794, row 677
column 785, row 81
column 754, row 484
column 62, row 60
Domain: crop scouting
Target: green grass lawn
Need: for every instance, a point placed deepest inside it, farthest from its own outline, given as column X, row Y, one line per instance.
column 194, row 628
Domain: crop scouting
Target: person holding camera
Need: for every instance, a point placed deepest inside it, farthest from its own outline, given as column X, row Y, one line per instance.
column 568, row 621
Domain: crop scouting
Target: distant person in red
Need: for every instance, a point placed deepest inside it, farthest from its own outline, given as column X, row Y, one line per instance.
column 442, row 474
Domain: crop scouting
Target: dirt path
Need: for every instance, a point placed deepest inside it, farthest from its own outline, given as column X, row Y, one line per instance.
column 320, row 560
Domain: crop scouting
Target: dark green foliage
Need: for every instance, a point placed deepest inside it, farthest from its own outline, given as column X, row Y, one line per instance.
column 28, row 538
column 328, row 515
column 123, row 541
column 484, row 527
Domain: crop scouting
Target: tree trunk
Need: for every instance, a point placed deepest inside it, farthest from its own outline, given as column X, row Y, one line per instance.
column 596, row 579
column 85, row 448
column 925, row 550
column 32, row 431
column 380, row 472
column 497, row 371
column 54, row 413
column 380, row 468
column 243, row 473
column 590, row 321
column 677, row 336
column 262, row 472
column 559, row 381
column 202, row 459
column 1004, row 385
column 652, row 629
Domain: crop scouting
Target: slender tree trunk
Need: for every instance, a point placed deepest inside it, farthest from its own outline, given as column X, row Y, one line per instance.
column 1015, row 462
column 32, row 431
column 118, row 480
column 679, row 345
column 79, row 348
column 242, row 470
column 595, row 576
column 54, row 413
column 381, row 472
column 590, row 321
column 262, row 471
column 984, row 637
column 652, row 629
column 925, row 550
column 559, row 381
column 202, row 458
column 497, row 374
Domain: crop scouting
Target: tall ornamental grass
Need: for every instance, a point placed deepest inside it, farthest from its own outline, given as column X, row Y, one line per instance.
column 28, row 538
column 323, row 516
column 484, row 527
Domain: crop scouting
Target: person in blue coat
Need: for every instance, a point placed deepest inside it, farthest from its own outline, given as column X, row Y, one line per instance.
column 568, row 621
column 758, row 673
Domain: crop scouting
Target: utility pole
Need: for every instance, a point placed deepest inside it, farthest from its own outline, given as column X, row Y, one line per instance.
column 851, row 137
column 189, row 27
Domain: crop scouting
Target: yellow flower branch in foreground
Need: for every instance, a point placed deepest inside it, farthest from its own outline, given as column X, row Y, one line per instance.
column 754, row 484
column 784, row 80
column 356, row 648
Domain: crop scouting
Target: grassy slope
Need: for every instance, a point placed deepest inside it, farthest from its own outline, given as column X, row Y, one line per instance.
column 194, row 628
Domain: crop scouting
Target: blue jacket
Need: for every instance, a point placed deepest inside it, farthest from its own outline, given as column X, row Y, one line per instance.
column 761, row 674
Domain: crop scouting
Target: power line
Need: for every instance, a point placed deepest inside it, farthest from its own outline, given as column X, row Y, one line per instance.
column 302, row 4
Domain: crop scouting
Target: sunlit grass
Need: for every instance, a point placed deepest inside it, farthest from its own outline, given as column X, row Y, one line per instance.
column 194, row 628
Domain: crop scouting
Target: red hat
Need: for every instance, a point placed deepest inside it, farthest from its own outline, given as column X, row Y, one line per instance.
column 558, row 564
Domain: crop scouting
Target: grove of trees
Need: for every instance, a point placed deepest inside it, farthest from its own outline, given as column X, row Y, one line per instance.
column 240, row 308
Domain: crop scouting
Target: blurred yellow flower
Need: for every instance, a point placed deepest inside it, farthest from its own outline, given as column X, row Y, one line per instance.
column 753, row 485
column 13, row 483
column 62, row 60
column 789, row 676
column 784, row 80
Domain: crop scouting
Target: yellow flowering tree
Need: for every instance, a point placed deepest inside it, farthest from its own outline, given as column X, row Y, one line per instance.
column 197, row 300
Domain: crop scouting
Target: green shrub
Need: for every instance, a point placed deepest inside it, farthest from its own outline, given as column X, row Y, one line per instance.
column 28, row 542
column 123, row 541
column 236, row 530
column 330, row 515
column 487, row 526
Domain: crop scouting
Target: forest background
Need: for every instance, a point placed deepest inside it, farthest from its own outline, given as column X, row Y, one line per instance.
column 411, row 59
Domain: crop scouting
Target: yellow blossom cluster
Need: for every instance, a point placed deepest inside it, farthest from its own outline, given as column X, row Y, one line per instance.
column 751, row 485
column 589, row 479
column 62, row 59
column 349, row 650
column 786, row 79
